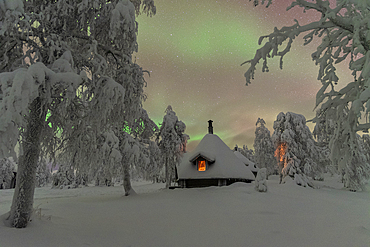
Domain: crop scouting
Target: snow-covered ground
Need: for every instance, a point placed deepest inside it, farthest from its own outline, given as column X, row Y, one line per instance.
column 237, row 215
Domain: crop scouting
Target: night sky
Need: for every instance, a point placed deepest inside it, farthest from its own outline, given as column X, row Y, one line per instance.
column 193, row 50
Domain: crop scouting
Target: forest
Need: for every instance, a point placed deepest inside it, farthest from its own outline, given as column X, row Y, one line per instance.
column 72, row 114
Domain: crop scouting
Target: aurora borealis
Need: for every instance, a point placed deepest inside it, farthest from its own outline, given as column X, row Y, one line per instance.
column 193, row 50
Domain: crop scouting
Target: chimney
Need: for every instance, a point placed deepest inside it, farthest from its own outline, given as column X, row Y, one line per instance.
column 210, row 127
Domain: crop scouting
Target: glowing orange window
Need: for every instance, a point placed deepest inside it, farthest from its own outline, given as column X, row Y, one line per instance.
column 201, row 165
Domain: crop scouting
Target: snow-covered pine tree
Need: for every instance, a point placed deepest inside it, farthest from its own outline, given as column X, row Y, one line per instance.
column 295, row 147
column 61, row 62
column 7, row 169
column 172, row 143
column 264, row 148
column 342, row 30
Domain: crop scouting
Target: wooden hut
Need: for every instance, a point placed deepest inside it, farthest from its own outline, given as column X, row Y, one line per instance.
column 212, row 163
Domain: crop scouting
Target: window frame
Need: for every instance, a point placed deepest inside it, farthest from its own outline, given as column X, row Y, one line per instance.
column 199, row 161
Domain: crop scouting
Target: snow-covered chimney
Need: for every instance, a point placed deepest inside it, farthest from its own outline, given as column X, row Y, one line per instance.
column 210, row 127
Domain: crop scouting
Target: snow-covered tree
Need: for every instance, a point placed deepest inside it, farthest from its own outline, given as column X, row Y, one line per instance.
column 264, row 148
column 343, row 32
column 81, row 178
column 109, row 159
column 133, row 156
column 65, row 62
column 249, row 153
column 366, row 146
column 358, row 161
column 144, row 131
column 323, row 132
column 324, row 128
column 172, row 143
column 64, row 177
column 155, row 165
column 135, row 141
column 260, row 184
column 346, row 153
column 295, row 147
column 114, row 158
column 7, row 169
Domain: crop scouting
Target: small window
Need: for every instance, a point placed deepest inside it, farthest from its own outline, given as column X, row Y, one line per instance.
column 201, row 165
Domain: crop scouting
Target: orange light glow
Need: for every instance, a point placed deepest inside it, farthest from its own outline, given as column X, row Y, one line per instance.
column 201, row 165
column 280, row 151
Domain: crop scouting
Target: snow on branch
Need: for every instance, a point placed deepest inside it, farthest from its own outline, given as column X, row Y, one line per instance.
column 275, row 40
column 12, row 5
column 110, row 148
column 20, row 88
column 256, row 2
column 123, row 24
column 107, row 101
column 146, row 6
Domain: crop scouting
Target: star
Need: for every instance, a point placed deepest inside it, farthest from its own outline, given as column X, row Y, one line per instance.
column 212, row 38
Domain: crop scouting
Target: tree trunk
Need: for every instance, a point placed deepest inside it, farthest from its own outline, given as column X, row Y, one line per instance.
column 127, row 180
column 168, row 172
column 22, row 205
column 280, row 167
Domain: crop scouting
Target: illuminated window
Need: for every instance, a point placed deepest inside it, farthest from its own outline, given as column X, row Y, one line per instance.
column 201, row 165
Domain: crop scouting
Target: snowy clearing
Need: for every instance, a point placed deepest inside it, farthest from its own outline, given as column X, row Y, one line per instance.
column 236, row 215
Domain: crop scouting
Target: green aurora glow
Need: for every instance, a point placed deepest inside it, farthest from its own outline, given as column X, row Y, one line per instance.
column 194, row 49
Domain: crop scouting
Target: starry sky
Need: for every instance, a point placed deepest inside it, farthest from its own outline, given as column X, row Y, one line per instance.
column 193, row 50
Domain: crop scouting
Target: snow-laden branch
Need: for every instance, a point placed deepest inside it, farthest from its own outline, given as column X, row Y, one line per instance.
column 256, row 2
column 20, row 88
column 271, row 48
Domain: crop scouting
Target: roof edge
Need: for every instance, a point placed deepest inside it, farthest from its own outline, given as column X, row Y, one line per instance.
column 205, row 155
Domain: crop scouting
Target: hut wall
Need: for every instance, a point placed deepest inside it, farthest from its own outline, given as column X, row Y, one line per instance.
column 196, row 183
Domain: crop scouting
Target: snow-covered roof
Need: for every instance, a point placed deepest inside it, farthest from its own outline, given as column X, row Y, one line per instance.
column 246, row 161
column 208, row 156
column 225, row 164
